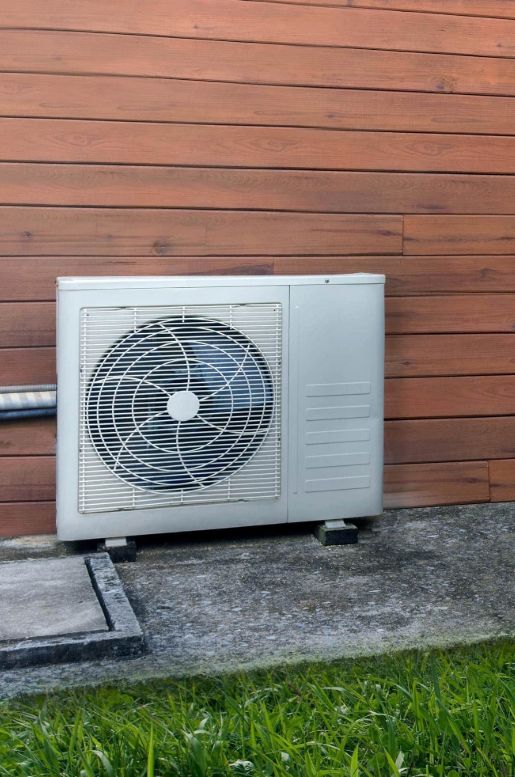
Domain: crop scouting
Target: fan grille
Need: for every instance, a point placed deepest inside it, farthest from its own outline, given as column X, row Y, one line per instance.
column 179, row 405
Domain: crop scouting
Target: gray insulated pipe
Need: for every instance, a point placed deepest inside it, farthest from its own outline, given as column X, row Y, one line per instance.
column 27, row 401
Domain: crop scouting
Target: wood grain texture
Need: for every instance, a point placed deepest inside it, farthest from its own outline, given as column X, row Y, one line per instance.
column 427, row 355
column 58, row 140
column 406, row 441
column 480, row 395
column 459, row 235
column 273, row 23
column 294, row 190
column 24, row 324
column 449, row 439
column 27, row 437
column 314, row 136
column 21, row 366
column 27, row 479
column 20, row 518
column 453, row 274
column 33, row 278
column 175, row 100
column 502, row 480
column 406, row 356
column 105, row 54
column 126, row 232
column 503, row 9
column 451, row 313
column 423, row 485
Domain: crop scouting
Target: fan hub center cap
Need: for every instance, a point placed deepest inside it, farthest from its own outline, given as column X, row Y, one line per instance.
column 183, row 405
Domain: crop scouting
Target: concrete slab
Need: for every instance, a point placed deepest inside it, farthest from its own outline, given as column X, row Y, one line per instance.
column 47, row 597
column 417, row 578
column 65, row 609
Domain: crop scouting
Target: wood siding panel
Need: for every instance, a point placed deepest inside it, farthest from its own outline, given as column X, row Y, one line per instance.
column 273, row 23
column 422, row 485
column 453, row 274
column 447, row 314
column 34, row 437
column 57, row 140
column 315, row 136
column 167, row 100
column 449, row 439
column 497, row 8
column 126, row 232
column 459, row 235
column 21, row 366
column 28, row 277
column 104, row 54
column 32, row 323
column 293, row 190
column 427, row 355
column 24, row 324
column 502, row 480
column 33, row 278
column 27, row 479
column 19, row 518
column 480, row 395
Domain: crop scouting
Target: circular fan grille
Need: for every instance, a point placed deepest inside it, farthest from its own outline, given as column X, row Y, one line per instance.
column 180, row 403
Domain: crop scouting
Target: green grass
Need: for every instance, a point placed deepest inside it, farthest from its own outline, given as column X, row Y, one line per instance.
column 441, row 713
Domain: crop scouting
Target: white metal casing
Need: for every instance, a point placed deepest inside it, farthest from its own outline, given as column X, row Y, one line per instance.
column 331, row 415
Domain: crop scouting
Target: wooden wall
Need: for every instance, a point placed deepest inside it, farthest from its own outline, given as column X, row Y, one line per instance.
column 219, row 136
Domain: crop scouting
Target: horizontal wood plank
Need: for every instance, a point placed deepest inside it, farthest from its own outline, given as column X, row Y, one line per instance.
column 175, row 100
column 204, row 187
column 451, row 313
column 445, row 274
column 406, row 356
column 423, row 485
column 24, row 324
column 27, row 437
column 33, row 278
column 449, row 439
column 502, row 480
column 459, row 235
column 273, row 23
column 20, row 518
column 406, row 441
column 105, row 54
column 27, row 479
column 428, row 355
column 27, row 366
column 481, row 395
column 59, row 140
column 126, row 232
column 503, row 9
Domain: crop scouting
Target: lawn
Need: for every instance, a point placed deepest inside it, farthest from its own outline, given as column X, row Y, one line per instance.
column 439, row 713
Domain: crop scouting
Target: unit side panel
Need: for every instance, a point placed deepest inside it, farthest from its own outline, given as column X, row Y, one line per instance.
column 336, row 402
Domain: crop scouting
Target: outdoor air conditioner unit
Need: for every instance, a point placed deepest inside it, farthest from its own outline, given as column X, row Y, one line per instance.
column 211, row 402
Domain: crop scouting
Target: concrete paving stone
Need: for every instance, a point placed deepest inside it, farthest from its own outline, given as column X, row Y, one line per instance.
column 417, row 578
column 47, row 597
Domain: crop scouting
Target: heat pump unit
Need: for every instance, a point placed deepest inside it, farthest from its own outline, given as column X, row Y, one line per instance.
column 212, row 402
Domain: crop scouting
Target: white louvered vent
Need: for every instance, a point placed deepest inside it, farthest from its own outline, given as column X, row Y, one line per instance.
column 179, row 405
